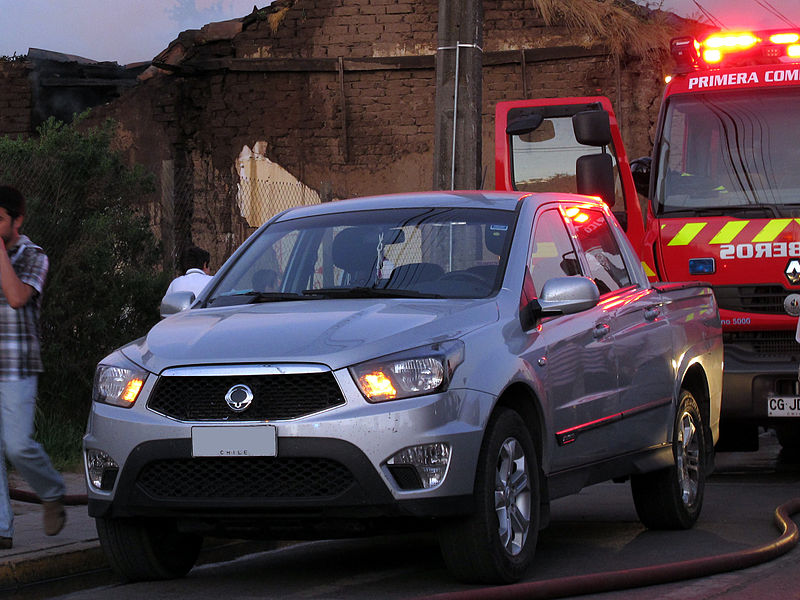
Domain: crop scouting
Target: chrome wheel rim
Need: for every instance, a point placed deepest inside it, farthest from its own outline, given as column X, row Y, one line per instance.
column 688, row 459
column 512, row 496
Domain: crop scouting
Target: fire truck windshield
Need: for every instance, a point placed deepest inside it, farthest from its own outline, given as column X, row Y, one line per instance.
column 732, row 152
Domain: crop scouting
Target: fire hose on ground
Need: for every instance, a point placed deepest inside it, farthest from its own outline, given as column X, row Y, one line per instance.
column 645, row 576
column 30, row 497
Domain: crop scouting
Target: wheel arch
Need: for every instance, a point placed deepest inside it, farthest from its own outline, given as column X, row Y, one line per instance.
column 696, row 381
column 520, row 398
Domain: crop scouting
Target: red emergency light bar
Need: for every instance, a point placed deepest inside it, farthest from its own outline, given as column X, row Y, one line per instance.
column 735, row 48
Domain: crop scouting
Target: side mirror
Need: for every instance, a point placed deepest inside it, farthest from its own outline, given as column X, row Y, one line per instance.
column 176, row 302
column 568, row 295
column 561, row 296
column 592, row 128
column 640, row 169
column 594, row 174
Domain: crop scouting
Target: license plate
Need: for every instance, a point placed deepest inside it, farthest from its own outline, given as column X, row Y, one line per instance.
column 783, row 406
column 237, row 441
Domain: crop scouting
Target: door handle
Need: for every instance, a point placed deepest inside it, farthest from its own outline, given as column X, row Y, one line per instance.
column 652, row 312
column 600, row 330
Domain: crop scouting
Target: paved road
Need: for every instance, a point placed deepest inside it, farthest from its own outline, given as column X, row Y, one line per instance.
column 594, row 531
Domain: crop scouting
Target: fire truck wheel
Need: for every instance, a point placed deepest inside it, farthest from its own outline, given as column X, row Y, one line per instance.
column 789, row 436
column 671, row 498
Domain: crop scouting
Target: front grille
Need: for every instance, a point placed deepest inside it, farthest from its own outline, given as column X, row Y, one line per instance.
column 275, row 397
column 764, row 299
column 265, row 477
column 764, row 343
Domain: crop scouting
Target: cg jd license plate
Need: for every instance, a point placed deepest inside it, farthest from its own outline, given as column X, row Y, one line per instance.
column 237, row 441
column 783, row 406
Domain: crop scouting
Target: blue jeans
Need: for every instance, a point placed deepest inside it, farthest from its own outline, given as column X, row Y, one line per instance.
column 17, row 407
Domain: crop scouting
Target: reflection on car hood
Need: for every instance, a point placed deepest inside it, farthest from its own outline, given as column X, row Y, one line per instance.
column 336, row 333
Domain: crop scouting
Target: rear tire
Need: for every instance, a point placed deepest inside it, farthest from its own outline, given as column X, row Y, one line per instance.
column 141, row 550
column 497, row 542
column 671, row 498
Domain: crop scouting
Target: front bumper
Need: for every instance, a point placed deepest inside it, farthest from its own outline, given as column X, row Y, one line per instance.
column 750, row 378
column 329, row 469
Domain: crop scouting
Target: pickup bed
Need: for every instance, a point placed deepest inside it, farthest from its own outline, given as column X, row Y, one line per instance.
column 447, row 360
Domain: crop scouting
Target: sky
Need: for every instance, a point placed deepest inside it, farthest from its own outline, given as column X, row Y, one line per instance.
column 129, row 31
column 125, row 31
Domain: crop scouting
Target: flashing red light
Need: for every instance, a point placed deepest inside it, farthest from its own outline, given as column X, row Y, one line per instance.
column 731, row 41
column 784, row 38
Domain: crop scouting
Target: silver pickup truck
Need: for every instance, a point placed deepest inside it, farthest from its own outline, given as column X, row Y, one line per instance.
column 447, row 360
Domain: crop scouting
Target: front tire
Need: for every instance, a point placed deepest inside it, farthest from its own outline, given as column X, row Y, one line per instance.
column 671, row 498
column 141, row 550
column 497, row 542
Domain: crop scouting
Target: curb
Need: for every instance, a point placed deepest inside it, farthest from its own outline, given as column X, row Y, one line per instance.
column 88, row 557
column 51, row 564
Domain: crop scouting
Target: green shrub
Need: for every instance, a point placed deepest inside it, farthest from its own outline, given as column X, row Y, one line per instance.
column 105, row 280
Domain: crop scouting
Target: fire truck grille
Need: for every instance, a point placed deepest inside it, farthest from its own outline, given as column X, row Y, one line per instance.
column 265, row 477
column 765, row 299
column 764, row 343
column 274, row 396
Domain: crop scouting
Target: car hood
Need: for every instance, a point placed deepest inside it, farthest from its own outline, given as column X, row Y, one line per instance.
column 336, row 333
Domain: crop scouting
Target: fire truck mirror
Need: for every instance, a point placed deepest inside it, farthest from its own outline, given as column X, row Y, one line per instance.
column 640, row 169
column 592, row 127
column 594, row 174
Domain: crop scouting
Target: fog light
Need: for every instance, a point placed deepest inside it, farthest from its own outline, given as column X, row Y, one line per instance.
column 429, row 460
column 102, row 469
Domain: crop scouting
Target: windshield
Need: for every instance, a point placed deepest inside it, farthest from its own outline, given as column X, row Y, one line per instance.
column 730, row 151
column 423, row 252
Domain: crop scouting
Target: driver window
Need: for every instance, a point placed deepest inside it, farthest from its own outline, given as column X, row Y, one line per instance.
column 602, row 251
column 552, row 254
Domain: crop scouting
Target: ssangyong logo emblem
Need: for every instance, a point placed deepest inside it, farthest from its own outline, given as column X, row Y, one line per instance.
column 239, row 397
column 793, row 271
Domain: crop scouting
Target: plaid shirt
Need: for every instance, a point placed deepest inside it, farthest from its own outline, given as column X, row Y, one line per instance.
column 19, row 328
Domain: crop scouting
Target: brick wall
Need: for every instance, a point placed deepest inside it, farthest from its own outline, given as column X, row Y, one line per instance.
column 372, row 131
column 15, row 99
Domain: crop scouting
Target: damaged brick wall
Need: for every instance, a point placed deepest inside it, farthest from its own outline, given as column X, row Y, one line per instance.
column 342, row 93
column 16, row 99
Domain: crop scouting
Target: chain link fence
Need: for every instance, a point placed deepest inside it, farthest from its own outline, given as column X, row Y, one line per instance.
column 192, row 207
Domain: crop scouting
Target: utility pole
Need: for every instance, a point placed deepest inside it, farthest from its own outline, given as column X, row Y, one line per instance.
column 459, row 83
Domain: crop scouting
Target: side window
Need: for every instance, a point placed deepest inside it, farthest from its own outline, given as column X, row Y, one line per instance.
column 552, row 254
column 606, row 264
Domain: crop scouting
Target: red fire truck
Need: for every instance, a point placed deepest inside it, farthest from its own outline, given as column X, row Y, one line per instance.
column 719, row 201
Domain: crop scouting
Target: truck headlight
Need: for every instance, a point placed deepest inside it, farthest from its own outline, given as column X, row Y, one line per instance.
column 118, row 382
column 416, row 372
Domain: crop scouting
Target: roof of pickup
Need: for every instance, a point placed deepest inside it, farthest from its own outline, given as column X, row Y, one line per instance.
column 466, row 199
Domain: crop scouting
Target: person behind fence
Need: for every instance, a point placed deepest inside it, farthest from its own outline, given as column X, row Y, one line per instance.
column 23, row 269
column 195, row 260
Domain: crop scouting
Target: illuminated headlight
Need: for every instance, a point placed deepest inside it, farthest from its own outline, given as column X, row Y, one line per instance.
column 420, row 467
column 416, row 372
column 102, row 469
column 118, row 384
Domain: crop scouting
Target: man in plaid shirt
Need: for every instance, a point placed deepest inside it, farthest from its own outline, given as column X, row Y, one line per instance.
column 23, row 269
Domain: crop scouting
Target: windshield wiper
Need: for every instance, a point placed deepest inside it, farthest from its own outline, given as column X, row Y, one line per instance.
column 368, row 292
column 254, row 297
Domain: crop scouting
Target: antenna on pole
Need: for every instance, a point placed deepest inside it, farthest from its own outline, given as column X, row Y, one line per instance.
column 770, row 8
column 714, row 21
